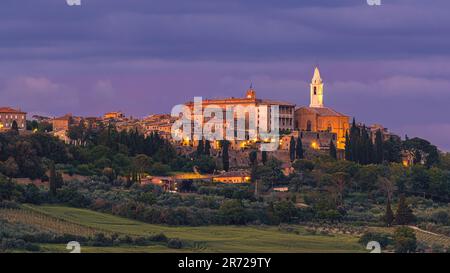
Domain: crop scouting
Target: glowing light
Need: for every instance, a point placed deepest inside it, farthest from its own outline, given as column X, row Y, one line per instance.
column 314, row 145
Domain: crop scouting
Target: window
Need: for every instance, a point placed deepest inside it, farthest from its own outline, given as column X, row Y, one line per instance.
column 315, row 90
column 329, row 127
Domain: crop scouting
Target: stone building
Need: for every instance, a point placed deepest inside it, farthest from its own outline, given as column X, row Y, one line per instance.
column 318, row 118
column 62, row 123
column 9, row 115
column 114, row 115
column 286, row 114
column 311, row 140
column 233, row 177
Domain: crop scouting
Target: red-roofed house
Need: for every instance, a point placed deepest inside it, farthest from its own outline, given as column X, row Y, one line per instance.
column 9, row 115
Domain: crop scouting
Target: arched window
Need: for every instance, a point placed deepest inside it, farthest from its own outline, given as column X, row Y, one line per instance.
column 329, row 127
column 315, row 90
column 308, row 126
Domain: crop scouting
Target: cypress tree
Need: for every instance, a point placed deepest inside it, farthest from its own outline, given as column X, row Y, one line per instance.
column 389, row 214
column 348, row 147
column 52, row 179
column 207, row 149
column 253, row 157
column 15, row 126
column 364, row 147
column 379, row 150
column 333, row 152
column 299, row 148
column 404, row 215
column 200, row 147
column 355, row 142
column 225, row 156
column 292, row 149
column 264, row 157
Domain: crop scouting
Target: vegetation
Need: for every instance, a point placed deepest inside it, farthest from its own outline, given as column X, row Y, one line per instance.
column 370, row 188
column 230, row 239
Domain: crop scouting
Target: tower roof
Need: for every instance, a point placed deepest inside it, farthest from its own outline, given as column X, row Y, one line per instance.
column 251, row 93
column 316, row 78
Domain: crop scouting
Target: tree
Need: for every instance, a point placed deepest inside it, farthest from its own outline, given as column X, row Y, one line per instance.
column 200, row 147
column 225, row 155
column 264, row 157
column 299, row 148
column 348, row 147
column 53, row 180
column 340, row 180
column 292, row 149
column 392, row 149
column 405, row 240
column 10, row 167
column 355, row 136
column 389, row 214
column 333, row 152
column 207, row 149
column 233, row 212
column 422, row 151
column 404, row 215
column 253, row 157
column 140, row 165
column 379, row 150
column 15, row 126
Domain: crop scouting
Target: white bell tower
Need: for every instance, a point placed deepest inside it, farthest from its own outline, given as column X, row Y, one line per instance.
column 316, row 90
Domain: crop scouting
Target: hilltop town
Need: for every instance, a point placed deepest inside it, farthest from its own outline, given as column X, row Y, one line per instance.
column 329, row 176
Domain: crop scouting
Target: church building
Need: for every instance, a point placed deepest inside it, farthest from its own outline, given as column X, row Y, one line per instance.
column 318, row 118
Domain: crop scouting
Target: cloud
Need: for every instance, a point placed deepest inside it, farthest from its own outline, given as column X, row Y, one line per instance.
column 103, row 89
column 388, row 64
column 32, row 93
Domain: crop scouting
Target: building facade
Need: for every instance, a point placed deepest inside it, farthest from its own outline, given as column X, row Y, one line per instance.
column 318, row 118
column 250, row 101
column 9, row 116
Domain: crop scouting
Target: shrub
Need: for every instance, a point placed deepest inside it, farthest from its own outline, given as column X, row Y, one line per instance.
column 405, row 240
column 175, row 243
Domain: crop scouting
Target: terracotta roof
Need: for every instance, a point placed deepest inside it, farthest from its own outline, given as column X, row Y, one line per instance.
column 240, row 101
column 66, row 117
column 324, row 111
column 10, row 110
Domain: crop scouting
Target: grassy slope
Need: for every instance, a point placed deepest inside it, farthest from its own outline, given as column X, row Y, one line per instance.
column 210, row 238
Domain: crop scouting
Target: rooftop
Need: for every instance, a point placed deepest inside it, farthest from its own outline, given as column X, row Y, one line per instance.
column 10, row 110
column 324, row 111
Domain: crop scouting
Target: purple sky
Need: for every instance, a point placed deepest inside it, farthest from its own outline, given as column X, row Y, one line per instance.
column 388, row 64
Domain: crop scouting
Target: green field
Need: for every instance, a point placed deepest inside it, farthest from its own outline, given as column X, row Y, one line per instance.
column 202, row 239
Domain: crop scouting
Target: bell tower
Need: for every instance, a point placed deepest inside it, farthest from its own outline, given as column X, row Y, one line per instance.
column 251, row 93
column 316, row 90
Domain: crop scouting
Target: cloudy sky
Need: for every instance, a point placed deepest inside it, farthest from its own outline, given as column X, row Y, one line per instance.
column 387, row 64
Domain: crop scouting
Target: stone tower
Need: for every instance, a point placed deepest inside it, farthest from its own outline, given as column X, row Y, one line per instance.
column 251, row 93
column 316, row 90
